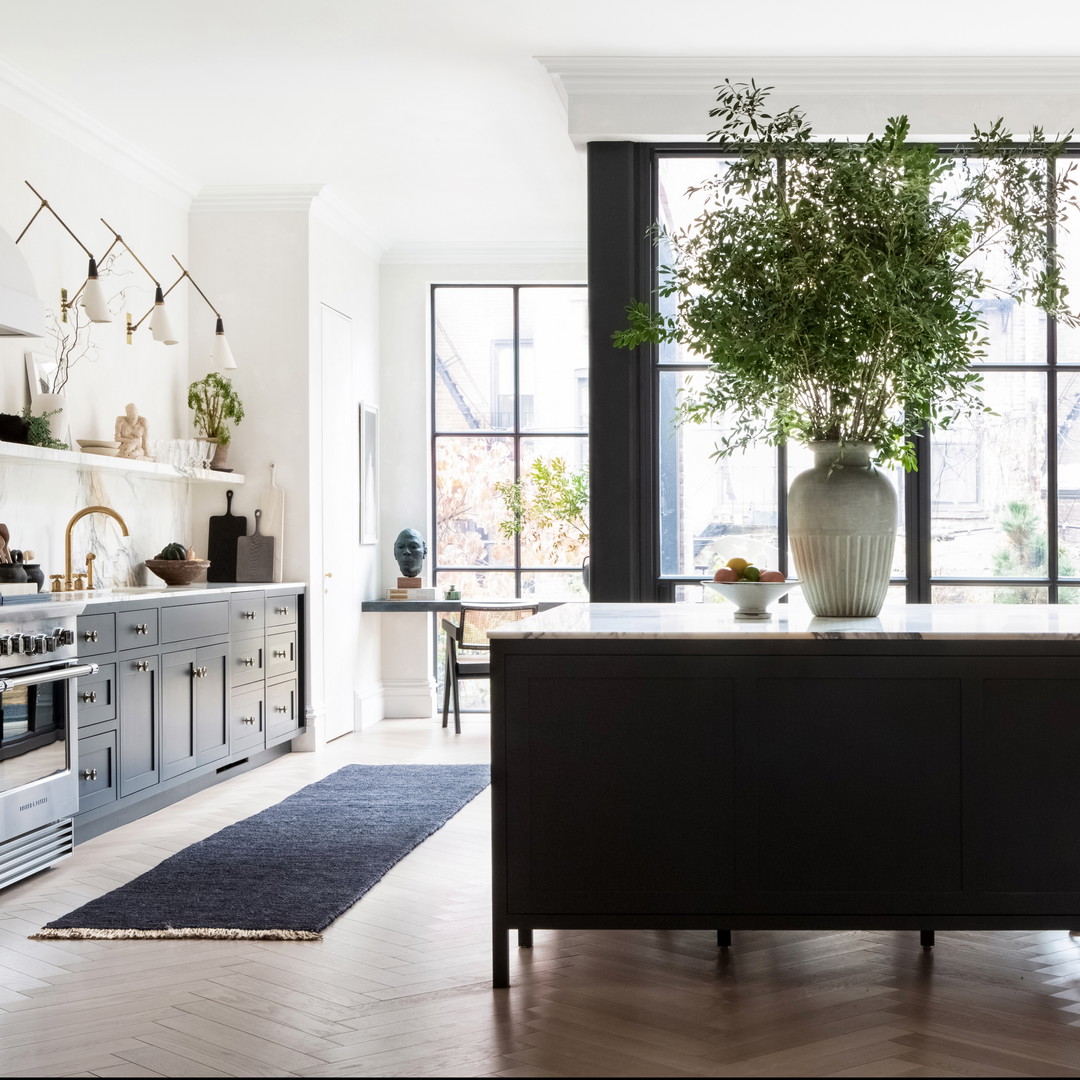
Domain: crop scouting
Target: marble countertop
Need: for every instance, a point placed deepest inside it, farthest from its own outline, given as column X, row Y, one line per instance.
column 79, row 600
column 794, row 621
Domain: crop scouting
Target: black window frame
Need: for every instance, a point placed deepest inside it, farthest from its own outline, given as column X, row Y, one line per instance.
column 625, row 499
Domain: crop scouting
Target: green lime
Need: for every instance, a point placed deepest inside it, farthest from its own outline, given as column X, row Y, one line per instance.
column 751, row 573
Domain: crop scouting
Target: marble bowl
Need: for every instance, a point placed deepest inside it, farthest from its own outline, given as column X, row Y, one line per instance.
column 177, row 571
column 752, row 598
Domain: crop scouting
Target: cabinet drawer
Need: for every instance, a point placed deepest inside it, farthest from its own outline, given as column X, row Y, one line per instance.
column 248, row 662
column 282, row 711
column 246, row 720
column 135, row 628
column 96, row 696
column 280, row 654
column 96, row 634
column 282, row 610
column 186, row 621
column 247, row 612
column 97, row 770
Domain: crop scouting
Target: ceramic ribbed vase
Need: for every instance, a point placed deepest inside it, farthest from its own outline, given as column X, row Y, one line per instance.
column 842, row 529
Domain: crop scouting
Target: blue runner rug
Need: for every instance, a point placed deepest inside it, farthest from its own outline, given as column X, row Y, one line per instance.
column 291, row 870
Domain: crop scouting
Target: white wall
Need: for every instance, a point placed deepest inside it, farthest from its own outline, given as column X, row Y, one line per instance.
column 82, row 187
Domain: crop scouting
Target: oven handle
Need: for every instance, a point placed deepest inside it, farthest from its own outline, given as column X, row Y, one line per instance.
column 47, row 676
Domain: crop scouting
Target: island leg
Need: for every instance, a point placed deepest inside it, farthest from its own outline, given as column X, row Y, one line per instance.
column 926, row 939
column 524, row 938
column 723, row 939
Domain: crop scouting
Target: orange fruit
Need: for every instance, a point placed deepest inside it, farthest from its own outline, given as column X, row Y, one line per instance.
column 725, row 573
column 772, row 575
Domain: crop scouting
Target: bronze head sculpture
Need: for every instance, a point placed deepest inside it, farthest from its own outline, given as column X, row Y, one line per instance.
column 410, row 550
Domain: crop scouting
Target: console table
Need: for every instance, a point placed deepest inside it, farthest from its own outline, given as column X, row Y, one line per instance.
column 666, row 766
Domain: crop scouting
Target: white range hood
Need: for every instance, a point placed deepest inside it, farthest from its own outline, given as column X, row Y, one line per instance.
column 21, row 312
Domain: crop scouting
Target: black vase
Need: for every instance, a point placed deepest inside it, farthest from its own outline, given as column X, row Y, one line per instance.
column 35, row 574
column 12, row 573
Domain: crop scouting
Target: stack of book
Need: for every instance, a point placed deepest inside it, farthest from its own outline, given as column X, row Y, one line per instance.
column 412, row 594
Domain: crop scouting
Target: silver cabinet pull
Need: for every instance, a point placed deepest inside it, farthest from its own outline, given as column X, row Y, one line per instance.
column 281, row 708
column 88, row 774
column 281, row 611
column 247, row 614
column 89, row 696
column 248, row 661
column 142, row 665
column 89, row 635
column 199, row 672
column 280, row 654
column 142, row 628
column 248, row 719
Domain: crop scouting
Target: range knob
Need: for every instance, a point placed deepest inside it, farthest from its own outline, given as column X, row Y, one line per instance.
column 25, row 643
column 63, row 637
column 5, row 644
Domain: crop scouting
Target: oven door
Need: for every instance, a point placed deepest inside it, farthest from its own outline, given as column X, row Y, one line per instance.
column 38, row 745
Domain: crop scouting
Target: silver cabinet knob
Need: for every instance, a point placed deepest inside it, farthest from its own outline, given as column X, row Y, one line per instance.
column 247, row 614
column 142, row 665
column 142, row 628
column 247, row 661
column 281, row 611
column 88, row 774
column 248, row 719
column 89, row 696
column 280, row 654
column 281, row 708
column 89, row 635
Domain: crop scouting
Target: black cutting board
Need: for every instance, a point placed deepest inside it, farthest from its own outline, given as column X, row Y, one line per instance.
column 225, row 530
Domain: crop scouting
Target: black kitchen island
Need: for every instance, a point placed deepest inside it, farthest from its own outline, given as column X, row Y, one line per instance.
column 666, row 766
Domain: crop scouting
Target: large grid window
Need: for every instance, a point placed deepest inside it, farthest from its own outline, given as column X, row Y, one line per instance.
column 992, row 515
column 509, row 386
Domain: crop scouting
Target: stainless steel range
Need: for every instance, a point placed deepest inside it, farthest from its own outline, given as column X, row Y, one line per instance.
column 39, row 785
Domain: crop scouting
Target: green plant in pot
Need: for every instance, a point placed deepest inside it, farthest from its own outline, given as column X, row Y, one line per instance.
column 833, row 289
column 548, row 508
column 214, row 402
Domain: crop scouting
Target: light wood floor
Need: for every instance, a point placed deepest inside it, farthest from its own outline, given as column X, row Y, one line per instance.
column 399, row 986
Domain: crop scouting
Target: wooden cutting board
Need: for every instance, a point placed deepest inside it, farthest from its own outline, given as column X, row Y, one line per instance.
column 272, row 502
column 225, row 529
column 255, row 555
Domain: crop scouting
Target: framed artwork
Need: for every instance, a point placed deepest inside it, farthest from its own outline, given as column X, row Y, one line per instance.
column 369, row 474
column 40, row 373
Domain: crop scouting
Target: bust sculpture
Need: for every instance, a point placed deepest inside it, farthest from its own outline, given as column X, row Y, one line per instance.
column 410, row 550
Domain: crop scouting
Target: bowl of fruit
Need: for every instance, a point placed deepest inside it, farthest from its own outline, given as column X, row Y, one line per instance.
column 749, row 588
column 177, row 565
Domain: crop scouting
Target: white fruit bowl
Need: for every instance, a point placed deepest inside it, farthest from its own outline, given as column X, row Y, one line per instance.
column 751, row 598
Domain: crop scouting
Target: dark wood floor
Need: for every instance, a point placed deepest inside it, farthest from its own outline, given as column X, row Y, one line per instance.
column 399, row 986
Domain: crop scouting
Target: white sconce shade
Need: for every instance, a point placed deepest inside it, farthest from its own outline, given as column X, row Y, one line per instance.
column 93, row 297
column 160, row 327
column 221, row 354
column 21, row 312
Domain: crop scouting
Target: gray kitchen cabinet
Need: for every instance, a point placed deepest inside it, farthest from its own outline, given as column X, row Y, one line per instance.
column 190, row 689
column 139, row 742
column 194, row 707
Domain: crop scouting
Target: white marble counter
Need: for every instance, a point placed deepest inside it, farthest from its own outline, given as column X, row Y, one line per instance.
column 794, row 621
column 46, row 601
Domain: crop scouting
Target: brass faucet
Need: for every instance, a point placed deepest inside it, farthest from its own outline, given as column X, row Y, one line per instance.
column 68, row 584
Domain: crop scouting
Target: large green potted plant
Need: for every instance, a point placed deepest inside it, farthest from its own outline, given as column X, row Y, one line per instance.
column 214, row 402
column 833, row 289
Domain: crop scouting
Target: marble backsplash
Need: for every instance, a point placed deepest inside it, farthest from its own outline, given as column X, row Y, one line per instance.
column 37, row 499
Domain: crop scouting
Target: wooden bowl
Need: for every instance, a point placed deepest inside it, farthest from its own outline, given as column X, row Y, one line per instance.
column 177, row 571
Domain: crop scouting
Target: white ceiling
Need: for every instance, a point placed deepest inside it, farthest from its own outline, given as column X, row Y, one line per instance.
column 433, row 119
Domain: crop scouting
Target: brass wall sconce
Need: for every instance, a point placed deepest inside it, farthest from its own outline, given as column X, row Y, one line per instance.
column 93, row 297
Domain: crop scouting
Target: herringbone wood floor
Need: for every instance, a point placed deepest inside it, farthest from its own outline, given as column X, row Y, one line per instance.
column 399, row 986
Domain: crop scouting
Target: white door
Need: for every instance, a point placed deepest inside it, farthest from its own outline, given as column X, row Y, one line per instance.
column 340, row 522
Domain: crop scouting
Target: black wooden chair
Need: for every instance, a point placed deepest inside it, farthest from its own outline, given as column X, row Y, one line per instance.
column 467, row 648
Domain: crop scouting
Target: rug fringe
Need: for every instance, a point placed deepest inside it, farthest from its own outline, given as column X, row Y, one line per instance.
column 82, row 933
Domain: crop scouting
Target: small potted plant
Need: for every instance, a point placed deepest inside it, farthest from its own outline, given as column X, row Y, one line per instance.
column 214, row 401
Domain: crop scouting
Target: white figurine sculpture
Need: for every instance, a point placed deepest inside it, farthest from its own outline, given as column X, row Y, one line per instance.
column 133, row 435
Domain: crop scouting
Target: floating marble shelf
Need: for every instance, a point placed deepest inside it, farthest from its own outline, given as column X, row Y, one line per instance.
column 41, row 455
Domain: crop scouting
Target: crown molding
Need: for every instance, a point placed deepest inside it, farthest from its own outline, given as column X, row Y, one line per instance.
column 338, row 215
column 480, row 252
column 256, row 199
column 692, row 75
column 38, row 103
